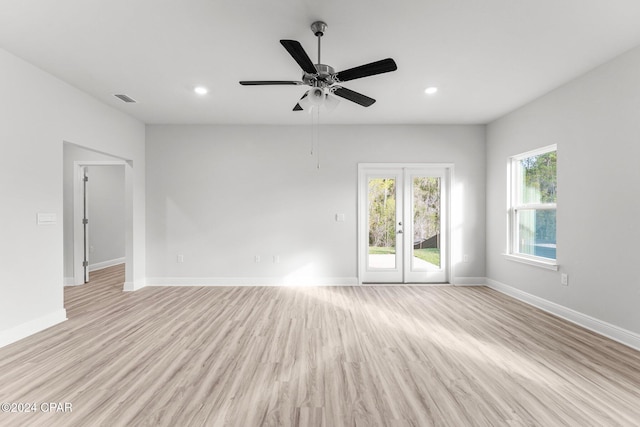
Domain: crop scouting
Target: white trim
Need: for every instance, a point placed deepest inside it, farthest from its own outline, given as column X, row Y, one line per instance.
column 469, row 281
column 105, row 264
column 31, row 327
column 133, row 286
column 69, row 281
column 536, row 207
column 608, row 330
column 407, row 285
column 549, row 265
column 536, row 152
column 251, row 281
column 405, row 165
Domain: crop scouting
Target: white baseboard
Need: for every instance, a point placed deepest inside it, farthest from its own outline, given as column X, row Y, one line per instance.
column 275, row 281
column 251, row 281
column 31, row 327
column 614, row 332
column 105, row 264
column 133, row 286
column 469, row 281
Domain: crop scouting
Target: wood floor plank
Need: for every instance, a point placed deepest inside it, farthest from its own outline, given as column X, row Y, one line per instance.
column 315, row 356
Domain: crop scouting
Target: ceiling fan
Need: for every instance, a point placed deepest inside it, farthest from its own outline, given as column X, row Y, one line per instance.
column 322, row 78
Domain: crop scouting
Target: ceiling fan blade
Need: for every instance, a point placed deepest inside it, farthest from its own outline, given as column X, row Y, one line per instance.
column 268, row 82
column 378, row 67
column 353, row 96
column 296, row 50
column 298, row 107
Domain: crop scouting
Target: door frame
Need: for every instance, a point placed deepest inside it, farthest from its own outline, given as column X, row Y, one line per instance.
column 362, row 226
column 78, row 215
column 85, row 223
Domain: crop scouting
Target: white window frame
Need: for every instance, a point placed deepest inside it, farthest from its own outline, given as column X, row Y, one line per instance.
column 514, row 207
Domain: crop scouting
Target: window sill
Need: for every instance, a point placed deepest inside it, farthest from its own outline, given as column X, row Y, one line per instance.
column 549, row 265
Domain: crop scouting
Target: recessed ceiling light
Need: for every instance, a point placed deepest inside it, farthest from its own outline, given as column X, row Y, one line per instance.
column 431, row 90
column 201, row 90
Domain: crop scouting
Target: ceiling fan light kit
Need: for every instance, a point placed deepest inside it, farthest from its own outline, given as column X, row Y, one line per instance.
column 323, row 79
column 315, row 96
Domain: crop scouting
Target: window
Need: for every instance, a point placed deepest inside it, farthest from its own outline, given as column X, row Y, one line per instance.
column 532, row 210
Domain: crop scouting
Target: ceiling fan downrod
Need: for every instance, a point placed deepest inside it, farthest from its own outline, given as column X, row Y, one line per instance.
column 318, row 28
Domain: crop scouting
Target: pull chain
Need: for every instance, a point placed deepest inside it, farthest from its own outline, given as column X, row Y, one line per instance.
column 313, row 135
column 318, row 140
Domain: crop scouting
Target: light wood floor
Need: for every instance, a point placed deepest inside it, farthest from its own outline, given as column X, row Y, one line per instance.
column 326, row 356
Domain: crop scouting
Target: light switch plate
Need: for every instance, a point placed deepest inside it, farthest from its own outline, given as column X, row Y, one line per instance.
column 47, row 218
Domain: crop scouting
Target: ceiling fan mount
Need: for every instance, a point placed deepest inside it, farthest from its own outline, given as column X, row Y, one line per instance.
column 324, row 77
column 318, row 28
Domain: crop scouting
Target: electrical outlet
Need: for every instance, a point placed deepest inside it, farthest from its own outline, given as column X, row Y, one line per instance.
column 564, row 279
column 257, row 258
column 276, row 259
column 465, row 258
column 180, row 259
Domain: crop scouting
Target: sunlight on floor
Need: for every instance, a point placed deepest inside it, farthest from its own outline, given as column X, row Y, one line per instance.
column 307, row 275
column 461, row 342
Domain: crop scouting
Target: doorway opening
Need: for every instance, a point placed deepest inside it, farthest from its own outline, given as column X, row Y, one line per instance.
column 103, row 217
column 93, row 222
column 112, row 206
column 403, row 233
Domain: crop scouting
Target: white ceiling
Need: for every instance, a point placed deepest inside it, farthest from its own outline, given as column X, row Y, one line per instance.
column 488, row 57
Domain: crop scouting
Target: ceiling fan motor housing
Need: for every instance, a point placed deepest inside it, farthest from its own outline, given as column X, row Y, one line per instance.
column 325, row 76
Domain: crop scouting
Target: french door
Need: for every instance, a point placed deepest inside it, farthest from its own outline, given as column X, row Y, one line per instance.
column 403, row 235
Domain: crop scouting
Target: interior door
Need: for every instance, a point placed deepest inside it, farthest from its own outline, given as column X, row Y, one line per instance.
column 403, row 224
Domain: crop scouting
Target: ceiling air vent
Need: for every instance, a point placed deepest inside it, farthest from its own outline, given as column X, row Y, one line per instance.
column 125, row 98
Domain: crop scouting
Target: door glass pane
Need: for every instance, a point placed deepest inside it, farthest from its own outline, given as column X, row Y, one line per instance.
column 426, row 223
column 537, row 232
column 382, row 223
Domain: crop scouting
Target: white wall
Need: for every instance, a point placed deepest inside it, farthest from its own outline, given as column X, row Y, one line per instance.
column 595, row 120
column 106, row 216
column 38, row 113
column 220, row 195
